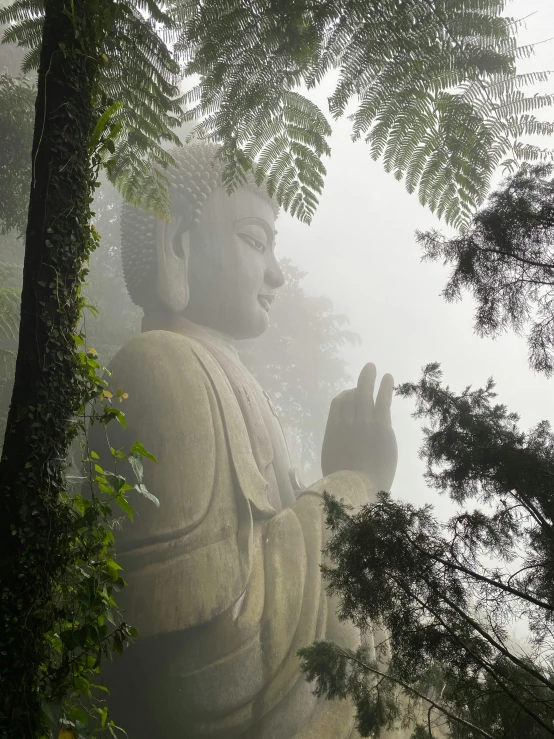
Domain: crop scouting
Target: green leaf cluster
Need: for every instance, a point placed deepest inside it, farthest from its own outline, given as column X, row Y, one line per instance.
column 358, row 675
column 435, row 86
column 88, row 626
column 58, row 572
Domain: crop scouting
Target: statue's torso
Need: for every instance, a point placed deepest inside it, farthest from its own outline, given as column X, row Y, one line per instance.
column 224, row 578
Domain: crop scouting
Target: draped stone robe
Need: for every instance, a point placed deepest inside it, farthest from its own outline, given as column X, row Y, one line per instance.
column 224, row 580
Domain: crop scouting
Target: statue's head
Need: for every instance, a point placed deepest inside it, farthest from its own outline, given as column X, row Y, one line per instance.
column 214, row 261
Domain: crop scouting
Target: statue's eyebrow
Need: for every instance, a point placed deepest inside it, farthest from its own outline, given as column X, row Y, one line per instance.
column 257, row 221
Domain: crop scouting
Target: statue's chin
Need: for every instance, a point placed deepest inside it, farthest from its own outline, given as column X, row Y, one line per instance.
column 251, row 326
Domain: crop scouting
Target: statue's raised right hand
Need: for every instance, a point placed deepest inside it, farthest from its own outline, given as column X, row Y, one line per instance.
column 359, row 435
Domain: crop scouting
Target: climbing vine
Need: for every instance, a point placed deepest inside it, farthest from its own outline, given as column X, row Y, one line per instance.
column 58, row 617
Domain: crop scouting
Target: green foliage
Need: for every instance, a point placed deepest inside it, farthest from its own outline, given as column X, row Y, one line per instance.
column 107, row 97
column 437, row 93
column 448, row 594
column 297, row 362
column 17, row 98
column 343, row 673
column 137, row 102
column 506, row 261
column 87, row 626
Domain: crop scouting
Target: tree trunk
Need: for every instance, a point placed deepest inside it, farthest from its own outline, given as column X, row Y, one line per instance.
column 47, row 391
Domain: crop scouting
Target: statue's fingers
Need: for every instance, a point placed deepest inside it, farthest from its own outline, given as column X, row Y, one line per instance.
column 384, row 399
column 348, row 406
column 365, row 390
column 335, row 411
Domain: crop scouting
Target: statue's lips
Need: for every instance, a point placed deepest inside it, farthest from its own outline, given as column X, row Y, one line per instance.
column 265, row 301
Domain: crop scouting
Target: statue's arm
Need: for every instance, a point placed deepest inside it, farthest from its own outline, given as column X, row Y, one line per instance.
column 181, row 560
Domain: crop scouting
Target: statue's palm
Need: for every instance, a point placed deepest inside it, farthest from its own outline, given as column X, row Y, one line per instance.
column 359, row 434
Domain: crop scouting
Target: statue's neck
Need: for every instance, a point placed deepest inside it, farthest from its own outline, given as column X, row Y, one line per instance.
column 181, row 325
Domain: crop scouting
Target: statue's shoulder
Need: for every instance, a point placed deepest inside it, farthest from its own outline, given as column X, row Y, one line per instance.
column 161, row 357
column 153, row 344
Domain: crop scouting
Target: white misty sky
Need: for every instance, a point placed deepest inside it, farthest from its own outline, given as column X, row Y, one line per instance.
column 360, row 251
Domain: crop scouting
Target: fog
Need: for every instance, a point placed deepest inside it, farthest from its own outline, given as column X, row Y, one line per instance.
column 360, row 251
column 222, row 553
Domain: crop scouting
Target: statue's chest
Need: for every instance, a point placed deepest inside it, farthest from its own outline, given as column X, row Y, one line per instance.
column 266, row 436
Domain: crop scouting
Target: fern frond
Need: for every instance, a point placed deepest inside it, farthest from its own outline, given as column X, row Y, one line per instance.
column 140, row 75
column 437, row 91
column 436, row 86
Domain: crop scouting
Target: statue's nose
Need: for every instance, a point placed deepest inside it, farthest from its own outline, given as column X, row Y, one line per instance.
column 274, row 277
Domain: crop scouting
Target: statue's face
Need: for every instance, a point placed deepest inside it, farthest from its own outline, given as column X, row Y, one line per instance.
column 233, row 273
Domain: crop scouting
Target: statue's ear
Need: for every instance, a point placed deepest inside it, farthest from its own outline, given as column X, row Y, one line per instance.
column 173, row 259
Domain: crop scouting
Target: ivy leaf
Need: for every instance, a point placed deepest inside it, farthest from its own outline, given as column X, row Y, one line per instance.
column 117, row 483
column 67, row 734
column 139, row 448
column 112, row 569
column 124, row 504
column 143, row 491
column 104, row 717
column 111, row 413
column 136, row 463
column 77, row 714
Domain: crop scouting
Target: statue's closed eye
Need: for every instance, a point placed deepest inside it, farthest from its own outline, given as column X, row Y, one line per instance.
column 252, row 241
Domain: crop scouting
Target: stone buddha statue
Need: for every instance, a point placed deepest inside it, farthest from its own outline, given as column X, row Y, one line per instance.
column 224, row 581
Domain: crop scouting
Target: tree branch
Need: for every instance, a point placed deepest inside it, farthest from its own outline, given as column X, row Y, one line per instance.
column 530, row 262
column 481, row 631
column 482, row 578
column 432, row 704
column 456, row 638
